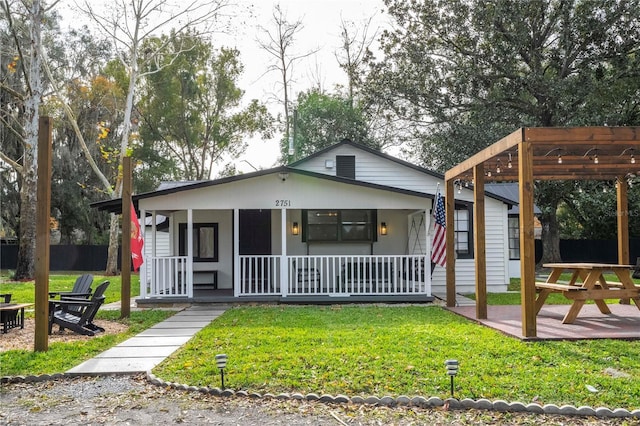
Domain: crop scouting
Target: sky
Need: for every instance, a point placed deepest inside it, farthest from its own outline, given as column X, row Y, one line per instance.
column 321, row 25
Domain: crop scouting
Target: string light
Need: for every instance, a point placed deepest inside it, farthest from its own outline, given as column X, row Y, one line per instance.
column 509, row 165
column 498, row 166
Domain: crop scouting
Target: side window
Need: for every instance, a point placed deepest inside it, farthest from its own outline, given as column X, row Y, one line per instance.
column 463, row 231
column 205, row 241
column 514, row 238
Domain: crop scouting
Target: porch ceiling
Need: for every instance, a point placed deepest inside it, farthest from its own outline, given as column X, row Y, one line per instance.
column 615, row 149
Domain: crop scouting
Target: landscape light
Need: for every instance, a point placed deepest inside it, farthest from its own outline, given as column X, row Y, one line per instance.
column 221, row 362
column 452, row 370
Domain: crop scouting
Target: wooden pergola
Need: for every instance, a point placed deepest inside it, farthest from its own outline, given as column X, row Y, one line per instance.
column 526, row 155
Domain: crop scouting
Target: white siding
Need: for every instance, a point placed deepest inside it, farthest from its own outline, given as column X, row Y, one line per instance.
column 375, row 169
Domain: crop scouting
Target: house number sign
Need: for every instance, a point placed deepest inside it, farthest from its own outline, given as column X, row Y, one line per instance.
column 283, row 203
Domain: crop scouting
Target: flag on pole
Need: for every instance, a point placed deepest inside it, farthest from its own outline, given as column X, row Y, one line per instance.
column 136, row 240
column 438, row 247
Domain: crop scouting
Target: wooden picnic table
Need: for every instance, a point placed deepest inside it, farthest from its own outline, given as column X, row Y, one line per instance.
column 8, row 308
column 588, row 283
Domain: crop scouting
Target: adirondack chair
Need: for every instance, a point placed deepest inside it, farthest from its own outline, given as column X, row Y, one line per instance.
column 81, row 320
column 81, row 289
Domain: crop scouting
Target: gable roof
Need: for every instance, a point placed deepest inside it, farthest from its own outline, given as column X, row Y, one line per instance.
column 361, row 147
column 115, row 205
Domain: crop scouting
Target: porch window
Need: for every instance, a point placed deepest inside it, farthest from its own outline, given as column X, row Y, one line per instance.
column 514, row 238
column 339, row 225
column 205, row 241
column 463, row 227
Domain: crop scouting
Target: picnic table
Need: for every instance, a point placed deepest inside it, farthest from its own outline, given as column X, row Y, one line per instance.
column 13, row 321
column 588, row 283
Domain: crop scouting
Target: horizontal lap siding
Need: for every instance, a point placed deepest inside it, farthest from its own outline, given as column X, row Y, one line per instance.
column 497, row 272
column 378, row 170
column 374, row 169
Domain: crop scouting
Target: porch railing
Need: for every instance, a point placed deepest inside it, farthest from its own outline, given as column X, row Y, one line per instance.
column 334, row 275
column 169, row 277
column 260, row 275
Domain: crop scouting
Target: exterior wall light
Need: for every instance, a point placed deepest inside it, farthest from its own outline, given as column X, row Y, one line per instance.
column 221, row 362
column 383, row 228
column 283, row 176
column 295, row 229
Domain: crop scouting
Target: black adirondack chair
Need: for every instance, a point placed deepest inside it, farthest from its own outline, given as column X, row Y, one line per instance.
column 77, row 314
column 81, row 290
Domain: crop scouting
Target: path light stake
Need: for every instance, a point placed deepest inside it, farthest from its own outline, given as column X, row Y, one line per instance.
column 221, row 362
column 452, row 370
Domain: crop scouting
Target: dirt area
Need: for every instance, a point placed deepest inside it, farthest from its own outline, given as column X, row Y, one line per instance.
column 132, row 400
column 18, row 338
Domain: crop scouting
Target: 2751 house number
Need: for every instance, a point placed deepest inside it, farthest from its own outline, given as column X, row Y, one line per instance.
column 283, row 203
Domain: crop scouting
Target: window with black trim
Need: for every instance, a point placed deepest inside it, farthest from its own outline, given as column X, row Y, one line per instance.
column 339, row 225
column 205, row 241
column 463, row 219
column 514, row 238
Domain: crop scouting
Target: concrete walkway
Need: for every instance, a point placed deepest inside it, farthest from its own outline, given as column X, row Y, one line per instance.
column 149, row 348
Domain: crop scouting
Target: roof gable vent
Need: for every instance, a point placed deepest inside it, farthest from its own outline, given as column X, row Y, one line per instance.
column 346, row 166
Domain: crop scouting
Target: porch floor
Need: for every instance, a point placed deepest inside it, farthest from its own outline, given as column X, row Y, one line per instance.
column 622, row 323
column 226, row 296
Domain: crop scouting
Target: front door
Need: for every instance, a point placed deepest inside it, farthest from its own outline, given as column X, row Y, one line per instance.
column 255, row 232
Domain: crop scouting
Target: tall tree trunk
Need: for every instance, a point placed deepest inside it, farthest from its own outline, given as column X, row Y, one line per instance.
column 112, row 252
column 25, row 268
column 550, row 238
column 548, row 196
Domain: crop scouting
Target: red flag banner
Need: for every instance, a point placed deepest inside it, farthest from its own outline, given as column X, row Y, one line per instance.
column 136, row 240
column 438, row 248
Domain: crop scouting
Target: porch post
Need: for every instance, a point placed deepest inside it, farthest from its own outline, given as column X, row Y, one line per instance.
column 190, row 253
column 427, row 255
column 236, row 253
column 284, row 267
column 145, row 258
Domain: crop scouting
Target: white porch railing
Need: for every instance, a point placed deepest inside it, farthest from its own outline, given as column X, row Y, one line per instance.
column 260, row 275
column 169, row 278
column 307, row 275
column 334, row 275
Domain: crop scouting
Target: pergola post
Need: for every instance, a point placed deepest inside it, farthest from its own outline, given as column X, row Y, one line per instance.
column 527, row 244
column 479, row 241
column 450, row 247
column 622, row 212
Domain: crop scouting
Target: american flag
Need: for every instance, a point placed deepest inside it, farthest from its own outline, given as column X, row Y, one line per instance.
column 438, row 248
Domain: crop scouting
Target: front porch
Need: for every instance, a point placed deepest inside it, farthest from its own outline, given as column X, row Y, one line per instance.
column 295, row 279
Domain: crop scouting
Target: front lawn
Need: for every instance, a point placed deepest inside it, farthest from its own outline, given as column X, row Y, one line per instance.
column 62, row 356
column 24, row 291
column 400, row 350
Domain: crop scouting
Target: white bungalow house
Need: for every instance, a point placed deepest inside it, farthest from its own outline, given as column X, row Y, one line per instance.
column 346, row 224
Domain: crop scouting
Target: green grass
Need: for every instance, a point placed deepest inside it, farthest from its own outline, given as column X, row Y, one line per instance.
column 62, row 356
column 24, row 292
column 370, row 350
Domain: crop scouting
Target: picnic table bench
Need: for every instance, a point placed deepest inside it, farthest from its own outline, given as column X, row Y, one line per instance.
column 588, row 283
